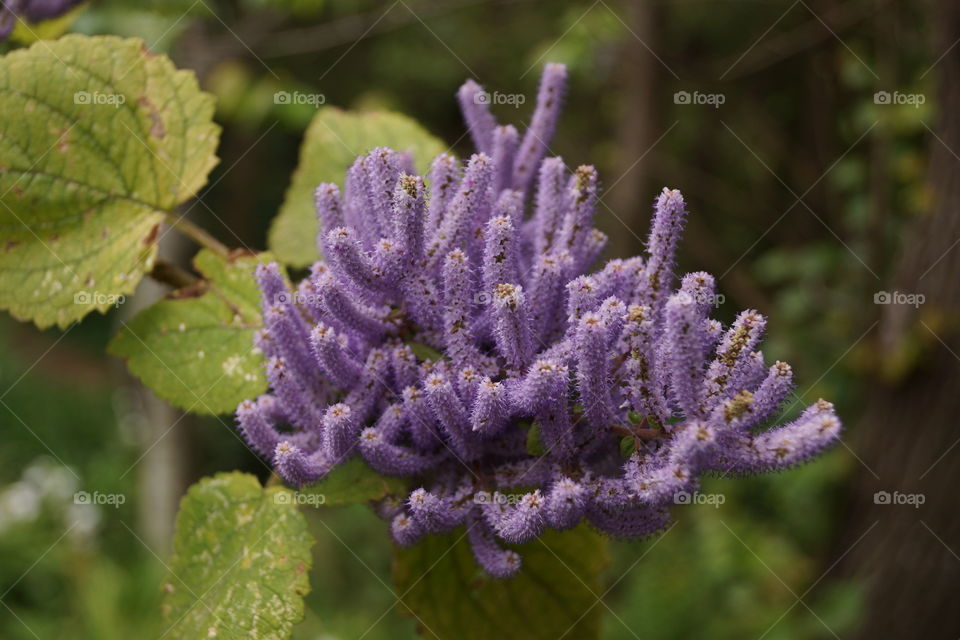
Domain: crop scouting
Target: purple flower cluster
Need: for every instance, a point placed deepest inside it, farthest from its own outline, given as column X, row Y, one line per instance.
column 552, row 396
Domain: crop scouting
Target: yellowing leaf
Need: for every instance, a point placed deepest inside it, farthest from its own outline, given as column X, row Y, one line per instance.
column 99, row 140
column 241, row 555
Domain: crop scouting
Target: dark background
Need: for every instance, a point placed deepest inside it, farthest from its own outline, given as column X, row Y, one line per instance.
column 809, row 196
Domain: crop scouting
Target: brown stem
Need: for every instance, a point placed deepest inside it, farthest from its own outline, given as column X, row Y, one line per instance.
column 644, row 433
column 171, row 274
column 197, row 234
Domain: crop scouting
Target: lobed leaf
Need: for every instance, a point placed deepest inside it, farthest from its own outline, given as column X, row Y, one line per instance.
column 240, row 562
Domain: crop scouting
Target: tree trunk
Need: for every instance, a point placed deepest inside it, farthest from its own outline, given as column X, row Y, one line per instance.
column 163, row 469
column 630, row 195
column 909, row 560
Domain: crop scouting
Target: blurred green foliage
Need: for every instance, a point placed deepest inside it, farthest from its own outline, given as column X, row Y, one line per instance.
column 792, row 125
column 92, row 579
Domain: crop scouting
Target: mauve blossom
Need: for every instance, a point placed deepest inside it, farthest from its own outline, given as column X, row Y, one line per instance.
column 530, row 341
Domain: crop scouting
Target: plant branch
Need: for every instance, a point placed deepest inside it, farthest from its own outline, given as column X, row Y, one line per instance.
column 643, row 433
column 197, row 234
column 171, row 274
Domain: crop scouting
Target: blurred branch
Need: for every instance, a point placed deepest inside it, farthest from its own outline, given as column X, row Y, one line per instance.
column 700, row 241
column 809, row 34
column 168, row 273
column 165, row 466
column 257, row 33
column 880, row 192
column 354, row 28
column 197, row 234
column 636, row 121
column 909, row 565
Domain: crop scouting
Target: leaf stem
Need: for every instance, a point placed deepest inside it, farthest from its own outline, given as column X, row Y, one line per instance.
column 197, row 234
column 171, row 274
column 639, row 432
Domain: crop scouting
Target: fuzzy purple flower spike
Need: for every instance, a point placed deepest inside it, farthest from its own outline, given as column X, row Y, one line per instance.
column 497, row 280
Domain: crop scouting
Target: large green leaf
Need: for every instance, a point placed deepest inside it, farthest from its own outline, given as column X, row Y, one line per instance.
column 554, row 595
column 332, row 142
column 240, row 563
column 99, row 140
column 196, row 350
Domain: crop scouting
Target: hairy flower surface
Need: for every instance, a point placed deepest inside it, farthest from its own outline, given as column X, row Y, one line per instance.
column 546, row 374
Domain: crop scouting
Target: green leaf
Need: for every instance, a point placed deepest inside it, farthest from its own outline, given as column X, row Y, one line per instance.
column 332, row 142
column 425, row 352
column 28, row 33
column 352, row 483
column 555, row 593
column 241, row 555
column 196, row 349
column 99, row 141
column 535, row 445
